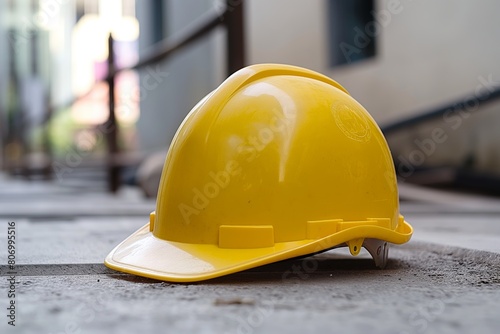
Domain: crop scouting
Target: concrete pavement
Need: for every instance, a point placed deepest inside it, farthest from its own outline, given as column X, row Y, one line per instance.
column 446, row 280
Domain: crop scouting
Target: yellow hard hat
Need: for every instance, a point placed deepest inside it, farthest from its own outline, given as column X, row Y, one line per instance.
column 277, row 162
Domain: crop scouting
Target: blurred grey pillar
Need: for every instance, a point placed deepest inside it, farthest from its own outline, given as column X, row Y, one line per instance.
column 111, row 127
column 235, row 35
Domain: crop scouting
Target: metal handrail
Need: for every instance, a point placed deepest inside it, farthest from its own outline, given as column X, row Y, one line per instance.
column 232, row 18
column 461, row 104
column 205, row 24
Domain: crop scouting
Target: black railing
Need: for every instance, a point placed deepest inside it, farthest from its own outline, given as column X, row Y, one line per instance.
column 458, row 175
column 231, row 19
column 461, row 104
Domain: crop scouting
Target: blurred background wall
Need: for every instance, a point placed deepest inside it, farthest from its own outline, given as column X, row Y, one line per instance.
column 426, row 52
column 418, row 55
column 182, row 80
column 400, row 59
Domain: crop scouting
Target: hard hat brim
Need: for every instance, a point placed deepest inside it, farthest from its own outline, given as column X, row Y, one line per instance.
column 145, row 255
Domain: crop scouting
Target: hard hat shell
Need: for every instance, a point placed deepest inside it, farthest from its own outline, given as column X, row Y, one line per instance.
column 277, row 162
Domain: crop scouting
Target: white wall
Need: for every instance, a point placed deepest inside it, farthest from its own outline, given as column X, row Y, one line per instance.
column 428, row 53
